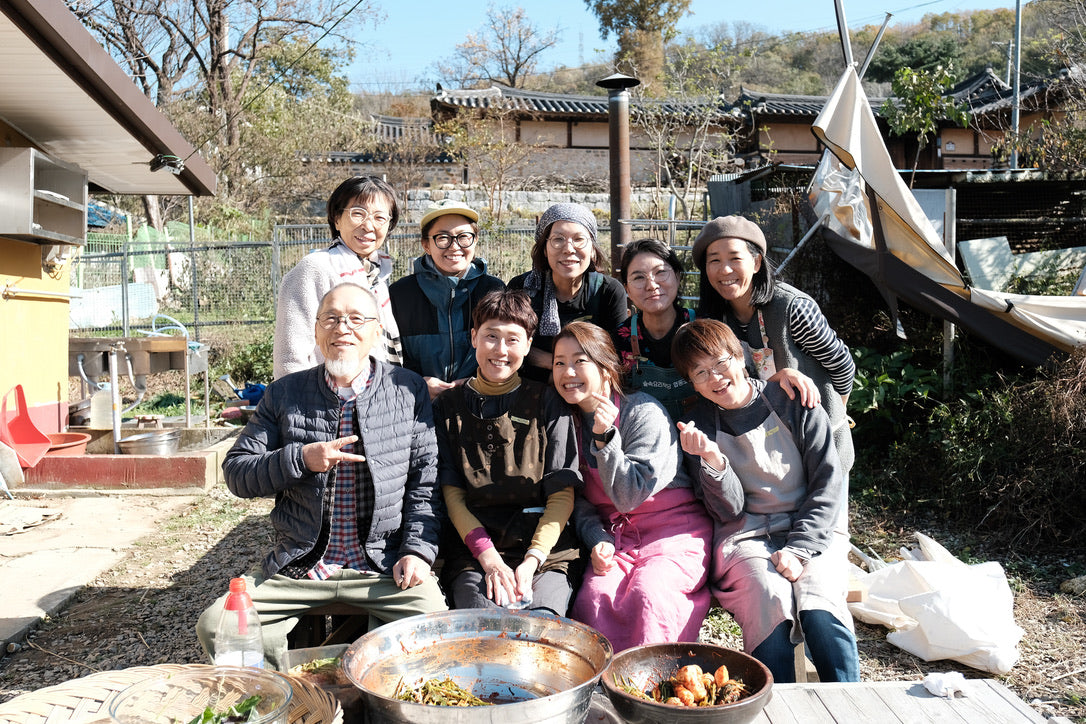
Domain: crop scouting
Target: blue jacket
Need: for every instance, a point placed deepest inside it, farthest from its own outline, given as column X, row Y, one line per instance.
column 396, row 426
column 433, row 313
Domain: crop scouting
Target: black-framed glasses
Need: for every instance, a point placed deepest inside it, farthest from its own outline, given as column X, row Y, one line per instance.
column 353, row 321
column 360, row 216
column 444, row 241
column 717, row 370
column 559, row 242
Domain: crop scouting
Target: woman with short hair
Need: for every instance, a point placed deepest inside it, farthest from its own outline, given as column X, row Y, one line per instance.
column 362, row 212
column 767, row 468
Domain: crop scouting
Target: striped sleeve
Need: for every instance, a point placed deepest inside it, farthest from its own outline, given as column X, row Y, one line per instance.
column 813, row 334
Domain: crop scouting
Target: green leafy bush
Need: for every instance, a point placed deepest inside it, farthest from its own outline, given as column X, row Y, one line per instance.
column 251, row 362
column 1008, row 456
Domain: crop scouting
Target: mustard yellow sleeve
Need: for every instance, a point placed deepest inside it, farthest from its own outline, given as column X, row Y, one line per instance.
column 461, row 517
column 554, row 519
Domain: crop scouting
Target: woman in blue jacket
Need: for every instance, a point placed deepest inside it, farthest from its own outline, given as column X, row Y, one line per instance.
column 433, row 306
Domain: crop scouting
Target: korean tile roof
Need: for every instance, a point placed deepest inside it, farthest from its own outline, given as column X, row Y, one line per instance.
column 554, row 104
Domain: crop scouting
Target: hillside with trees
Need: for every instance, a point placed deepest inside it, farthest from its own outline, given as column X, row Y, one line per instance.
column 260, row 99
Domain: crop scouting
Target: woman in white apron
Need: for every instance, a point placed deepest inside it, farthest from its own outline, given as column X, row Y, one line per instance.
column 768, row 471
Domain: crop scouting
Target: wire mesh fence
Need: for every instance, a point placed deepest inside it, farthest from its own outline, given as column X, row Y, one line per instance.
column 120, row 283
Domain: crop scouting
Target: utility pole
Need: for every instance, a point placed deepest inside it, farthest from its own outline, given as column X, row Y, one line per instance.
column 1017, row 107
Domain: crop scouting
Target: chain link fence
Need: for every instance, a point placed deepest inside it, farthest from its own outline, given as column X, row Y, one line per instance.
column 124, row 285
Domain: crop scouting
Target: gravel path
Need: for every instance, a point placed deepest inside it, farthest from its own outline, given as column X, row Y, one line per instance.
column 144, row 611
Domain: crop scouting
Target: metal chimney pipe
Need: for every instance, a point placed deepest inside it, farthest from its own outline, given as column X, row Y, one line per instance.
column 618, row 116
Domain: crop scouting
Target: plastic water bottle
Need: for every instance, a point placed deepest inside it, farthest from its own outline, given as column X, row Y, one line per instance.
column 101, row 408
column 238, row 641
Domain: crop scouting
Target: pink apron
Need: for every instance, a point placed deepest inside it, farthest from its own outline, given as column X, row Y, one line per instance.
column 656, row 592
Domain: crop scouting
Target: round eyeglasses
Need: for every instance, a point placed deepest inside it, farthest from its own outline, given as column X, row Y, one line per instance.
column 560, row 242
column 717, row 370
column 444, row 241
column 353, row 321
column 360, row 216
column 660, row 276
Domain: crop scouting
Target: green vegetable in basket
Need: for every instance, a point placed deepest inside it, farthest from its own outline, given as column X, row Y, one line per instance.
column 236, row 714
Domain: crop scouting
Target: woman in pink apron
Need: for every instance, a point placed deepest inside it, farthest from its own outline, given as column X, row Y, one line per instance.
column 768, row 471
column 648, row 534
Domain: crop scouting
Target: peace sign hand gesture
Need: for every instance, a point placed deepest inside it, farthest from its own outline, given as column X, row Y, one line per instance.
column 320, row 457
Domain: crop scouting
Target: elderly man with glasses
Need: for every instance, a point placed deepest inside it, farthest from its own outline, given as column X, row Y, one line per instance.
column 348, row 450
column 433, row 305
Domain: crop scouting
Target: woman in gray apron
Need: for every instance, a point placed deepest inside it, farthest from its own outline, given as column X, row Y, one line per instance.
column 781, row 328
column 652, row 275
column 768, row 471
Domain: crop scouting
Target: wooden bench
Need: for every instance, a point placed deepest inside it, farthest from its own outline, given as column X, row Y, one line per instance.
column 335, row 623
column 805, row 670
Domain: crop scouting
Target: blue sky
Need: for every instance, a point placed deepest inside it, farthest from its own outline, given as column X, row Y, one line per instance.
column 403, row 47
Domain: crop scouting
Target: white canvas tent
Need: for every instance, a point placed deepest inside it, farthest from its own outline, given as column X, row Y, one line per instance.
column 875, row 223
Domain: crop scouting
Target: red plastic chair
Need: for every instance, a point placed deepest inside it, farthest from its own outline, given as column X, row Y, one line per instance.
column 20, row 433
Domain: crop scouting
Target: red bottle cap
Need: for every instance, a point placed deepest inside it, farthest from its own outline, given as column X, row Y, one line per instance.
column 238, row 599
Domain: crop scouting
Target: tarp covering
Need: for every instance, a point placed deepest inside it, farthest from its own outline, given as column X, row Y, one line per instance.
column 895, row 244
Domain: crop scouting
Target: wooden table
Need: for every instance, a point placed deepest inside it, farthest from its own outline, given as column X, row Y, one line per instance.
column 877, row 702
column 986, row 701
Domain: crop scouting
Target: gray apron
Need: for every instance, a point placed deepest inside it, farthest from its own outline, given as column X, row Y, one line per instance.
column 745, row 581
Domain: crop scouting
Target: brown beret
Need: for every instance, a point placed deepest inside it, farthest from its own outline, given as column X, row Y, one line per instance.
column 727, row 227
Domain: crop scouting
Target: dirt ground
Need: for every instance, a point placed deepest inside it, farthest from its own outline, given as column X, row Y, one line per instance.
column 144, row 610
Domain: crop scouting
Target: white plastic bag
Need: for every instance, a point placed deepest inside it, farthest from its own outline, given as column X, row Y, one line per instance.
column 940, row 608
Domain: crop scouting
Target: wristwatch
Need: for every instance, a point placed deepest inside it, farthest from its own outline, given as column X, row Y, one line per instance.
column 605, row 436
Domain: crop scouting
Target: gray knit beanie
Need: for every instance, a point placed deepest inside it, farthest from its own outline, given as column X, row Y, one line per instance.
column 726, row 227
column 565, row 212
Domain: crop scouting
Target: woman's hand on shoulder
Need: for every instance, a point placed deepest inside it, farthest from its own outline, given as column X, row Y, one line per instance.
column 793, row 381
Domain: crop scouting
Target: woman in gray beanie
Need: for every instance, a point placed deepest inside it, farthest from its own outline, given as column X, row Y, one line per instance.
column 566, row 283
column 782, row 327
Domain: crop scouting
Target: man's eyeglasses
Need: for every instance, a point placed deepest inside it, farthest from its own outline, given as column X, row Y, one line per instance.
column 559, row 242
column 660, row 276
column 444, row 241
column 353, row 321
column 360, row 216
column 717, row 370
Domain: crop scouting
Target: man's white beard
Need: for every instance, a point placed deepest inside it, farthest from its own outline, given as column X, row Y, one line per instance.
column 343, row 368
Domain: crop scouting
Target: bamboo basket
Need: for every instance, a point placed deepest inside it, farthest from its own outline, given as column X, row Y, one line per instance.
column 86, row 700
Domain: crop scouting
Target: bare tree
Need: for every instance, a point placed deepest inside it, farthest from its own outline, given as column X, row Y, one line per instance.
column 689, row 131
column 505, row 50
column 488, row 145
column 209, row 51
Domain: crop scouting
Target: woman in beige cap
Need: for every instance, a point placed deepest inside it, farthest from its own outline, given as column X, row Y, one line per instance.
column 782, row 327
column 433, row 305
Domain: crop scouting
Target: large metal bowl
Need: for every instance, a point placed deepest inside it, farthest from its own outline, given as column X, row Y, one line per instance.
column 536, row 667
column 643, row 664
